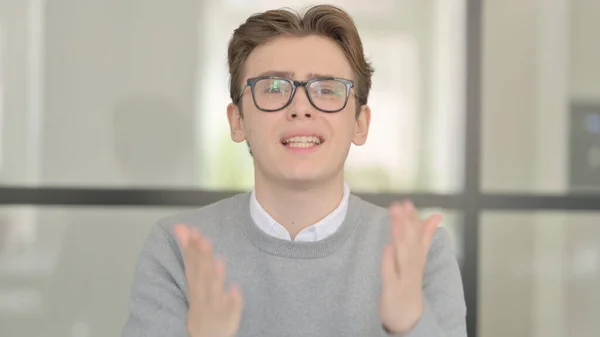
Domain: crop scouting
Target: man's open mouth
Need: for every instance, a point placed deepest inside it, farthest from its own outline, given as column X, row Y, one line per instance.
column 302, row 141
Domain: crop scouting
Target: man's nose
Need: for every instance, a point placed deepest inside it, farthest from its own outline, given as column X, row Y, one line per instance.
column 301, row 106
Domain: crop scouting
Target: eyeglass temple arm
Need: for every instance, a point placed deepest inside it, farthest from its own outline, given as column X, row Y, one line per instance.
column 242, row 92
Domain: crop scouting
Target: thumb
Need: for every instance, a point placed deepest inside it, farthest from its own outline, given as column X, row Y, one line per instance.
column 429, row 227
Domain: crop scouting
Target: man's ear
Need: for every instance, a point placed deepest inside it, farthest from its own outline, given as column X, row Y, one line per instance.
column 236, row 123
column 363, row 120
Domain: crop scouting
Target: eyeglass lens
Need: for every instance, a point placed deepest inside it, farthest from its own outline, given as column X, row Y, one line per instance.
column 274, row 94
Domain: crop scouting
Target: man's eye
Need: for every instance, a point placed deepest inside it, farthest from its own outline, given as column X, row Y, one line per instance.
column 327, row 92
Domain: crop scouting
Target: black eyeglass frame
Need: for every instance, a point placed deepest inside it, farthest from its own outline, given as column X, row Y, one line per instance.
column 251, row 82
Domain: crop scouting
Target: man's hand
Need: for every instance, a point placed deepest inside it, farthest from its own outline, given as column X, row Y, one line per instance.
column 402, row 268
column 213, row 311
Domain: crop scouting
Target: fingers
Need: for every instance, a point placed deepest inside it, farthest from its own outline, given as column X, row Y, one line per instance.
column 210, row 272
column 411, row 237
column 212, row 311
column 402, row 235
column 429, row 227
column 205, row 273
column 216, row 282
column 405, row 222
column 205, row 259
column 411, row 211
column 235, row 302
column 183, row 235
column 407, row 225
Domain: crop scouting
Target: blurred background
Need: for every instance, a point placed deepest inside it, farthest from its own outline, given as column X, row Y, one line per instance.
column 113, row 115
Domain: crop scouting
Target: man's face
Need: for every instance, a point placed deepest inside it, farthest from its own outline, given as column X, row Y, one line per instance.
column 298, row 143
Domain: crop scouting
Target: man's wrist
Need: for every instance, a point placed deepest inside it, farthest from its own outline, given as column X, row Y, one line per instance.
column 409, row 327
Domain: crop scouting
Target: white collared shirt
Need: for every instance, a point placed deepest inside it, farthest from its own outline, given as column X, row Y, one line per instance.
column 318, row 231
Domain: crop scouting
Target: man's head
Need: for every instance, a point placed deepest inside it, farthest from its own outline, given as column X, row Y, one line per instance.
column 299, row 87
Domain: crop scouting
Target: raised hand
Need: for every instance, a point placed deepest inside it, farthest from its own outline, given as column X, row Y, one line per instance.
column 402, row 267
column 213, row 310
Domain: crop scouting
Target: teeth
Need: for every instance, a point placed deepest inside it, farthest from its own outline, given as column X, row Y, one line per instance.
column 302, row 140
column 301, row 145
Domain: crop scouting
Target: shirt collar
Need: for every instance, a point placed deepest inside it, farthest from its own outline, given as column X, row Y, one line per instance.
column 318, row 231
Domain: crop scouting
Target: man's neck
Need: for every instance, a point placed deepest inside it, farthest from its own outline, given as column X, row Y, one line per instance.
column 297, row 208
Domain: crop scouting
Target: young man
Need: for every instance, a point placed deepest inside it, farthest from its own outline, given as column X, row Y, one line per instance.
column 299, row 255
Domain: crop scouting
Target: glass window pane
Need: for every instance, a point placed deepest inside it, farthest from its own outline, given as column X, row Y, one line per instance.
column 67, row 271
column 108, row 97
column 541, row 96
column 539, row 271
column 454, row 223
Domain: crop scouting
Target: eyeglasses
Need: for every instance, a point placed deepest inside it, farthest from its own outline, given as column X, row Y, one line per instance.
column 272, row 94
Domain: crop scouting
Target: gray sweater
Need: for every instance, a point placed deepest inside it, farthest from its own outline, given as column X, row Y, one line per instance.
column 326, row 288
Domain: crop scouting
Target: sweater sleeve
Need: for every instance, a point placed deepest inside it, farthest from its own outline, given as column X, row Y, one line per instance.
column 158, row 301
column 444, row 313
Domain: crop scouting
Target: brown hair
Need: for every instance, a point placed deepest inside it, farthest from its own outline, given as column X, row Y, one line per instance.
column 323, row 20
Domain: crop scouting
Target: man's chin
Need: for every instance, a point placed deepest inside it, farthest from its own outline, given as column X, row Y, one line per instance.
column 305, row 180
column 300, row 176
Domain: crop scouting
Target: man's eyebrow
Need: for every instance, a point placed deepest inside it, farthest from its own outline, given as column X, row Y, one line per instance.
column 278, row 73
column 290, row 74
column 318, row 75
